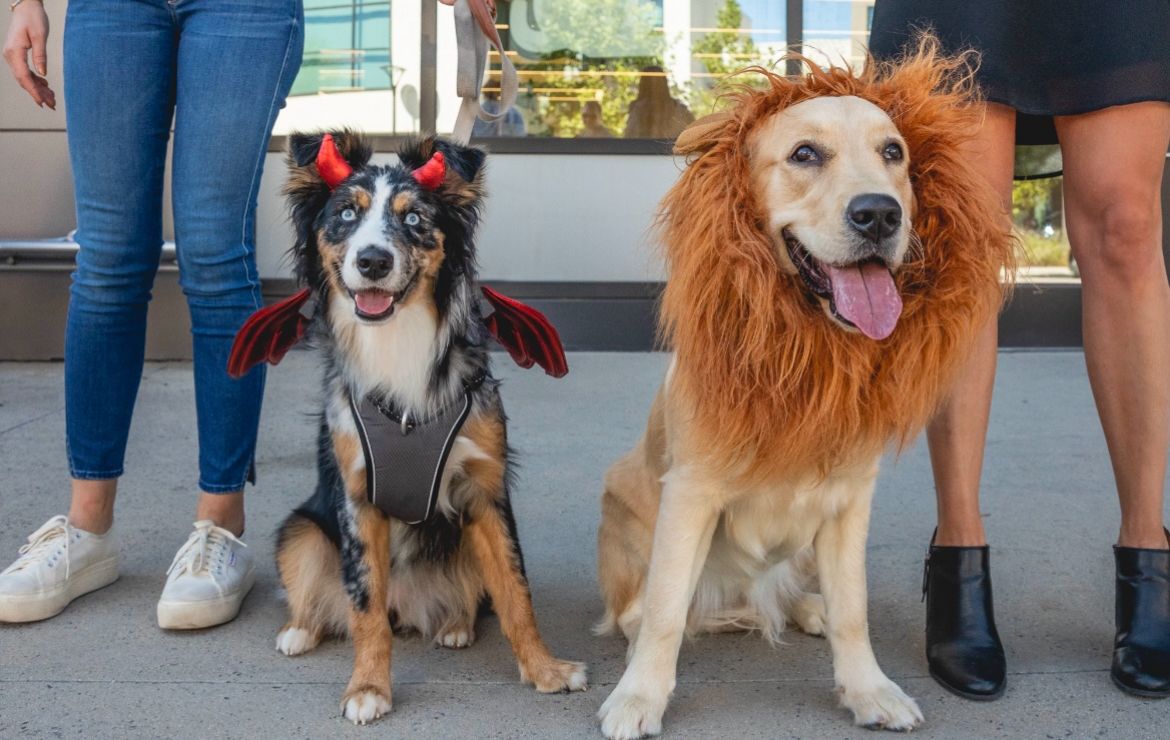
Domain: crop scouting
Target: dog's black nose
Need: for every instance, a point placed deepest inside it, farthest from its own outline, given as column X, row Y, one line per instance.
column 374, row 263
column 875, row 215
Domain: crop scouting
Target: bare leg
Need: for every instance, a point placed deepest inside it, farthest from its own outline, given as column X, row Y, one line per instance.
column 958, row 432
column 1113, row 161
column 91, row 505
column 225, row 509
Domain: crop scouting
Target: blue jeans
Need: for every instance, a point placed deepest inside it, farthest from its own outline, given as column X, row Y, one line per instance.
column 221, row 69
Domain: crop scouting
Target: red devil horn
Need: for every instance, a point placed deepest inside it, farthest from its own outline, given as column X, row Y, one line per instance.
column 431, row 174
column 330, row 164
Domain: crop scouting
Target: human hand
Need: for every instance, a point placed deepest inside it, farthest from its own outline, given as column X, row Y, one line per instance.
column 490, row 3
column 29, row 31
column 484, row 12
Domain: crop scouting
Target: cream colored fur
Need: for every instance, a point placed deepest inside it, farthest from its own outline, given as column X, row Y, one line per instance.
column 683, row 548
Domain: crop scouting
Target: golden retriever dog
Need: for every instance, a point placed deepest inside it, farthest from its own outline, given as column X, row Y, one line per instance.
column 831, row 254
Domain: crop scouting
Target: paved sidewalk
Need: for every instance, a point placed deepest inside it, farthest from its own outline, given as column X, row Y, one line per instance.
column 104, row 670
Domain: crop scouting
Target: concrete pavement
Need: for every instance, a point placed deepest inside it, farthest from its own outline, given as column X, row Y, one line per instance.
column 103, row 669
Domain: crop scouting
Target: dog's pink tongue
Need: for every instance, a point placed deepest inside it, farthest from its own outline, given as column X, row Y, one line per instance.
column 865, row 294
column 373, row 302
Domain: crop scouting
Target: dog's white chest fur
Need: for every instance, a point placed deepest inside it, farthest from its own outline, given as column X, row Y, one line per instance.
column 396, row 357
column 761, row 558
column 773, row 523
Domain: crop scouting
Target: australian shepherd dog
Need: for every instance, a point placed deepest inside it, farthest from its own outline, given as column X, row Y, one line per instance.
column 831, row 253
column 388, row 253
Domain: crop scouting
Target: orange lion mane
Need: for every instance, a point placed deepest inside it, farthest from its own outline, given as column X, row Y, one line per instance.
column 774, row 387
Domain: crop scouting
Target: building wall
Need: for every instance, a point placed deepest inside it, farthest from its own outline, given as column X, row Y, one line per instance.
column 549, row 217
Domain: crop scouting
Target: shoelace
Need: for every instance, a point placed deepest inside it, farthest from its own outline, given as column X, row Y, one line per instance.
column 203, row 548
column 41, row 542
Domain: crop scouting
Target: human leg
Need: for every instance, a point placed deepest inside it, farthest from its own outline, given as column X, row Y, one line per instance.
column 236, row 64
column 1113, row 160
column 963, row 648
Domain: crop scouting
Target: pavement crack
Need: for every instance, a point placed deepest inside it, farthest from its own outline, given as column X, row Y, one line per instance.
column 26, row 422
column 397, row 682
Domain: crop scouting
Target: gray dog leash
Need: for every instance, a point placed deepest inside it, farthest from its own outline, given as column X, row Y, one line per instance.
column 475, row 33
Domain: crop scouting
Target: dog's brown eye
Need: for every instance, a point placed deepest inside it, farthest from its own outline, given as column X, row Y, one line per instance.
column 893, row 153
column 805, row 153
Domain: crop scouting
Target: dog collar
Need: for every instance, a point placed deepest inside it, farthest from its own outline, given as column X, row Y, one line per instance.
column 405, row 457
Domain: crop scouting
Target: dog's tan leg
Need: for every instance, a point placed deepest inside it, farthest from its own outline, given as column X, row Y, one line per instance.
column 365, row 560
column 687, row 516
column 875, row 700
column 508, row 588
column 310, row 571
column 367, row 696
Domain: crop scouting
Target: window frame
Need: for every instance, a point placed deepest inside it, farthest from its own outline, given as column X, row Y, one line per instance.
column 429, row 95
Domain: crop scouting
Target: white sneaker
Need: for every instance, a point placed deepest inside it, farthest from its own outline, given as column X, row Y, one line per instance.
column 59, row 563
column 207, row 581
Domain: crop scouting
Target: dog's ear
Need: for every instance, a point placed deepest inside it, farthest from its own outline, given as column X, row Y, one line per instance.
column 311, row 178
column 304, row 147
column 702, row 134
column 461, row 181
column 317, row 162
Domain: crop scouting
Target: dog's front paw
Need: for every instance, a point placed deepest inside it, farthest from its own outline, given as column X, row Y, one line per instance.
column 626, row 715
column 883, row 707
column 553, row 676
column 296, row 640
column 365, row 704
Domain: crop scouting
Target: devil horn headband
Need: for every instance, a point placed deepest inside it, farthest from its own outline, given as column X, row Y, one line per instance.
column 431, row 174
column 271, row 332
column 330, row 164
column 334, row 169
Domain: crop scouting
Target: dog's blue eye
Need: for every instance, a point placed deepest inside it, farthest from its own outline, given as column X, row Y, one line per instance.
column 348, row 214
column 805, row 153
column 412, row 219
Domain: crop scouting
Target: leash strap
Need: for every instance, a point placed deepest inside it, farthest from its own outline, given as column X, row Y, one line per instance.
column 475, row 33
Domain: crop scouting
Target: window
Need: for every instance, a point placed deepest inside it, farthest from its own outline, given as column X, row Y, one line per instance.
column 1038, row 216
column 836, row 30
column 360, row 68
column 617, row 68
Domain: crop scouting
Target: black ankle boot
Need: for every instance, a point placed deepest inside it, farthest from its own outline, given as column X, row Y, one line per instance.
column 962, row 645
column 1141, row 652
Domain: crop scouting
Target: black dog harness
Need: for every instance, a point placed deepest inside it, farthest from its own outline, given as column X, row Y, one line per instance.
column 405, row 457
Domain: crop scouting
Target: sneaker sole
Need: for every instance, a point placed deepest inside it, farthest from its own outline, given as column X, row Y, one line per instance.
column 196, row 615
column 35, row 607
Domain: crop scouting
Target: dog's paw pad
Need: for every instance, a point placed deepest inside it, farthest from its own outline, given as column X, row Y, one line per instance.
column 809, row 615
column 557, row 675
column 365, row 705
column 626, row 716
column 457, row 638
column 885, row 707
column 294, row 641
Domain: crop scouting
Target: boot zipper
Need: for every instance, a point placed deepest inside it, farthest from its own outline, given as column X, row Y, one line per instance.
column 925, row 574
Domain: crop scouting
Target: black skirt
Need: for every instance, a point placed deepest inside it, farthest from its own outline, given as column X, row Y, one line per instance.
column 1044, row 57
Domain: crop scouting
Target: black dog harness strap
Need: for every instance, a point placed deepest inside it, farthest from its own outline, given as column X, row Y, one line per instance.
column 404, row 458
